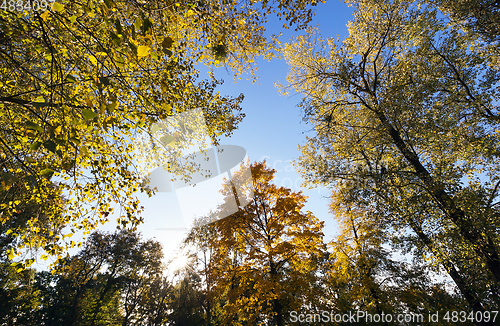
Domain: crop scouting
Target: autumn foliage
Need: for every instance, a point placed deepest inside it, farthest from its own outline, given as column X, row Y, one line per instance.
column 405, row 133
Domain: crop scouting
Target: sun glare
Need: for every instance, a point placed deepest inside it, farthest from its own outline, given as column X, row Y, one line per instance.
column 178, row 263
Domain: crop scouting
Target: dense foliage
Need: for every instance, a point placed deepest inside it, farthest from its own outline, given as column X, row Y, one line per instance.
column 80, row 81
column 406, row 116
column 406, row 134
column 258, row 266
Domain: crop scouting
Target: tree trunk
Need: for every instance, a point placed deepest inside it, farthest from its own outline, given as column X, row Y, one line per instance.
column 469, row 295
column 277, row 308
column 483, row 245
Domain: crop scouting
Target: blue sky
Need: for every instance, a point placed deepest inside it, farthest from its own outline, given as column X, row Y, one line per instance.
column 271, row 130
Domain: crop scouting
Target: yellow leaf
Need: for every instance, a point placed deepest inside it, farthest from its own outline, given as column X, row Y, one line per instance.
column 89, row 102
column 143, row 50
column 57, row 7
column 93, row 59
column 45, row 15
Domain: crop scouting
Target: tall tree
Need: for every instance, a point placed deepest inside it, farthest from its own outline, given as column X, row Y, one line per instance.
column 364, row 275
column 19, row 299
column 265, row 253
column 406, row 106
column 187, row 302
column 106, row 283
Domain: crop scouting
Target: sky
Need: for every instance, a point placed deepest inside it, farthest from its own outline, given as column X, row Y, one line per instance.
column 272, row 130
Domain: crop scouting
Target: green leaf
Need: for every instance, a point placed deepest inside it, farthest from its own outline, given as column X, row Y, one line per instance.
column 88, row 114
column 71, row 78
column 109, row 3
column 115, row 38
column 39, row 102
column 33, row 126
column 47, row 172
column 84, row 150
column 113, row 105
column 146, row 26
column 74, row 140
column 104, row 81
column 118, row 26
column 68, row 164
column 168, row 52
column 133, row 47
column 50, row 145
column 8, row 178
column 36, row 145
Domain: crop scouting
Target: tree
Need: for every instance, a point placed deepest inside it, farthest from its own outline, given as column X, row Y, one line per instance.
column 362, row 274
column 264, row 255
column 358, row 258
column 405, row 111
column 80, row 80
column 478, row 16
column 19, row 303
column 106, row 283
column 39, row 221
column 186, row 302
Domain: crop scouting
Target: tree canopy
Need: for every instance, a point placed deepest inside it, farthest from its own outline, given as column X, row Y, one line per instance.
column 80, row 80
column 261, row 260
column 405, row 116
column 405, row 112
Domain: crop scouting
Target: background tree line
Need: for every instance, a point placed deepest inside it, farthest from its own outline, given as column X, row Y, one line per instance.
column 254, row 267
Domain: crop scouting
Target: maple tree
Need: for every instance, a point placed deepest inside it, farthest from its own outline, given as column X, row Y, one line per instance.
column 405, row 110
column 262, row 258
